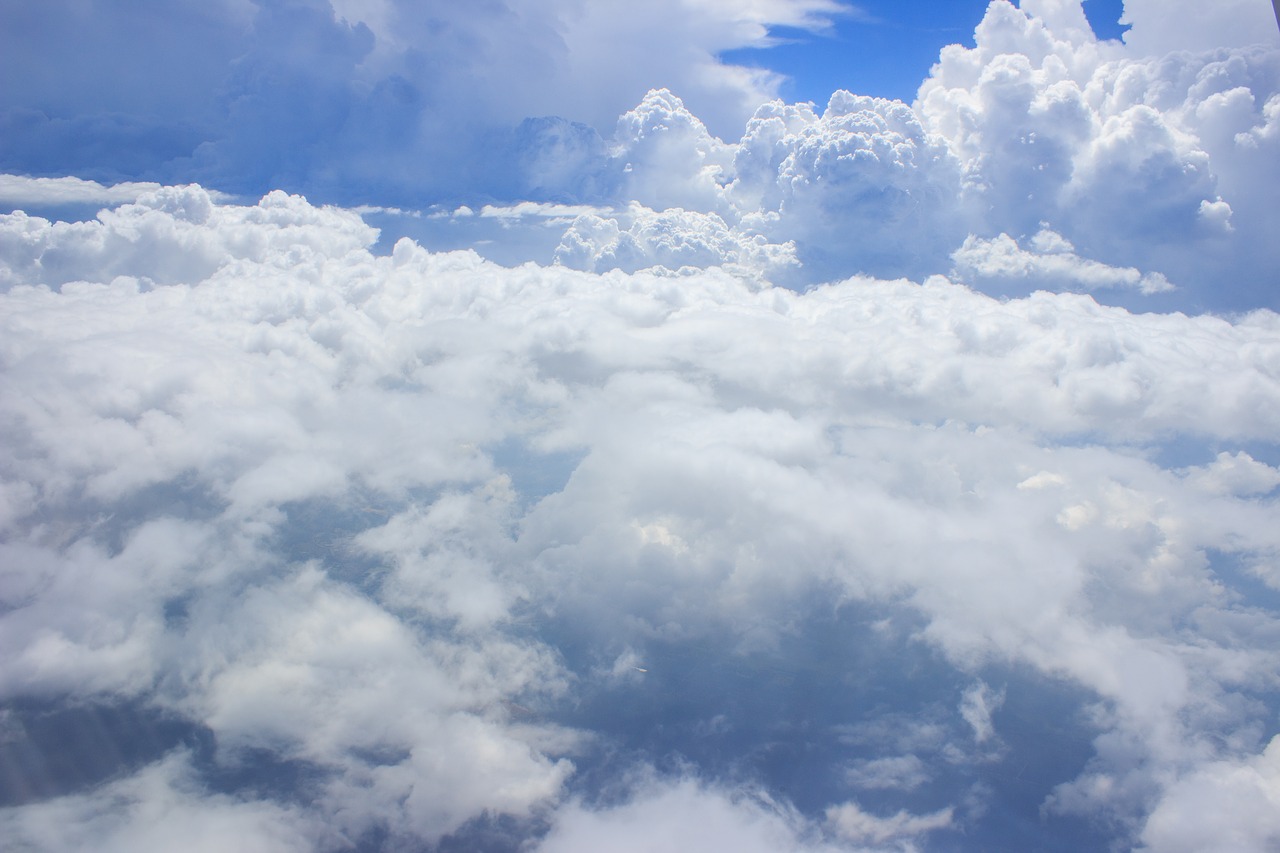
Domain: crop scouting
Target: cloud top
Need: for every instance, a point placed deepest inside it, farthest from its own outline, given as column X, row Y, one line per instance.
column 642, row 461
column 325, row 486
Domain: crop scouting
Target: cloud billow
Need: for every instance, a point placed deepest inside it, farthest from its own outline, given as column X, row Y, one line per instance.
column 1148, row 166
column 801, row 496
column 1148, row 154
column 357, row 547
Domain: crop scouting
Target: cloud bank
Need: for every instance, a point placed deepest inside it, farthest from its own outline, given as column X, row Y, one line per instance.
column 1108, row 167
column 350, row 515
column 356, row 100
column 876, row 481
column 1153, row 155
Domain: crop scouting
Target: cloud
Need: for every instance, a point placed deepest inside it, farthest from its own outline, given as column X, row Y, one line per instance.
column 23, row 192
column 1161, row 28
column 1227, row 805
column 865, row 181
column 860, row 827
column 1147, row 167
column 680, row 815
column 394, row 532
column 1114, row 144
column 861, row 187
column 905, row 772
column 312, row 669
column 284, row 488
column 162, row 807
column 667, row 156
column 673, row 239
column 1148, row 154
column 1236, row 474
column 391, row 99
column 166, row 237
column 1051, row 262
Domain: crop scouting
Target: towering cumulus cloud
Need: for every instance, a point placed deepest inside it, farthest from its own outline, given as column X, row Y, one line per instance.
column 876, row 482
column 1114, row 167
column 1140, row 157
column 389, row 100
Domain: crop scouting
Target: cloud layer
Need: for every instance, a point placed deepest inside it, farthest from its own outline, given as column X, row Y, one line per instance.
column 1152, row 156
column 362, row 100
column 875, row 481
column 1135, row 175
column 351, row 514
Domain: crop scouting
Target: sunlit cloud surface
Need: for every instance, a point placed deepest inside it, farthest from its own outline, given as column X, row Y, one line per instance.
column 506, row 427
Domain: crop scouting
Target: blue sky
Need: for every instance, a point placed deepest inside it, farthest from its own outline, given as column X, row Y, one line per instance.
column 884, row 48
column 560, row 426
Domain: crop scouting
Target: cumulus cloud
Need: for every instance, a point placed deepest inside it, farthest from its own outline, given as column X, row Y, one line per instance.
column 352, row 98
column 311, row 670
column 683, row 815
column 1161, row 28
column 354, row 512
column 1149, row 154
column 1237, row 474
column 418, row 547
column 1050, row 262
column 667, row 156
column 1135, row 156
column 162, row 807
column 1227, row 805
column 673, row 239
column 864, row 187
column 166, row 236
column 1148, row 166
column 20, row 191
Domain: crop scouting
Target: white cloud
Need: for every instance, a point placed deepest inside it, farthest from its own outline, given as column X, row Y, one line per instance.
column 673, row 239
column 667, row 156
column 977, row 706
column 1164, row 27
column 317, row 673
column 1224, row 805
column 168, row 236
column 864, row 187
column 856, row 825
column 1050, row 263
column 446, row 558
column 682, row 815
column 903, row 772
column 334, row 506
column 162, row 807
column 280, row 496
column 861, row 187
column 1236, row 474
column 21, row 191
column 1140, row 159
column 1150, row 166
column 395, row 98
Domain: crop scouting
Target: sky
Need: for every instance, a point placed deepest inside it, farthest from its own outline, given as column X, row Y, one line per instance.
column 557, row 426
column 884, row 48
